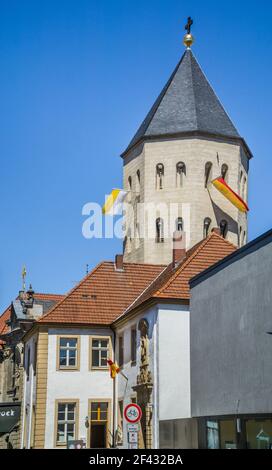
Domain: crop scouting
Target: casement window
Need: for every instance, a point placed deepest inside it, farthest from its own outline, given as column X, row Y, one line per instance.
column 133, row 344
column 121, row 351
column 66, row 422
column 68, row 352
column 100, row 351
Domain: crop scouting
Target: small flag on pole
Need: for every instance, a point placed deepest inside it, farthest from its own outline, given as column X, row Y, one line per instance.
column 114, row 369
column 221, row 185
column 113, row 202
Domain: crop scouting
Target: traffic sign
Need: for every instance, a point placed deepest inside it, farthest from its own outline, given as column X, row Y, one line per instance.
column 133, row 413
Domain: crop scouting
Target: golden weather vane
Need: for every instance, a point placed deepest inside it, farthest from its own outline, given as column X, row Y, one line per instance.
column 23, row 277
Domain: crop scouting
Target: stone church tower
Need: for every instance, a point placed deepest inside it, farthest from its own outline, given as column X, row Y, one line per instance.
column 186, row 140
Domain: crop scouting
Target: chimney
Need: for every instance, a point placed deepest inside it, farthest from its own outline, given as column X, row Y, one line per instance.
column 179, row 250
column 119, row 264
column 216, row 230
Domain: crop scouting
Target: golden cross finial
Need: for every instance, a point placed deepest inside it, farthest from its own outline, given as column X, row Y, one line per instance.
column 188, row 38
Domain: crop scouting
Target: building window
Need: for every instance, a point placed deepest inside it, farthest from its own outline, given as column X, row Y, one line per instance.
column 179, row 224
column 100, row 352
column 68, row 353
column 224, row 171
column 206, row 226
column 129, row 183
column 208, row 173
column 241, row 182
column 159, row 231
column 133, row 344
column 223, row 228
column 66, row 422
column 138, row 181
column 245, row 188
column 121, row 351
column 159, row 176
column 244, row 238
column 180, row 173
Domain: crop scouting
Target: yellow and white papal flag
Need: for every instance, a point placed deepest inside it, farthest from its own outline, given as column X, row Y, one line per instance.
column 114, row 201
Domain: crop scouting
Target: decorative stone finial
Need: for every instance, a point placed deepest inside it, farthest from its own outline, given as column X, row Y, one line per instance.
column 188, row 38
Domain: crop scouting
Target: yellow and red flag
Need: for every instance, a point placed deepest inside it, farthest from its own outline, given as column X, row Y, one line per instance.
column 114, row 369
column 221, row 185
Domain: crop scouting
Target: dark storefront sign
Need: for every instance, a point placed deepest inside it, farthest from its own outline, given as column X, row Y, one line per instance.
column 9, row 416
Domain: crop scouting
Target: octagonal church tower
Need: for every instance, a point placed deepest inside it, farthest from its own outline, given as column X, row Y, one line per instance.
column 186, row 140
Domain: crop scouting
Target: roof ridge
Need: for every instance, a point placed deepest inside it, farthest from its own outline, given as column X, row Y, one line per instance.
column 191, row 55
column 184, row 264
column 71, row 291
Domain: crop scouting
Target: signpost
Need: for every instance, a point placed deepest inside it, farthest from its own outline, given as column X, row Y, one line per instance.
column 132, row 414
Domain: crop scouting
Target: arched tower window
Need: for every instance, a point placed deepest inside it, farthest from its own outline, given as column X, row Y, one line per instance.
column 244, row 238
column 224, row 171
column 206, row 226
column 138, row 181
column 159, row 175
column 179, row 224
column 159, row 230
column 244, row 188
column 129, row 183
column 223, row 228
column 180, row 173
column 208, row 173
column 241, row 183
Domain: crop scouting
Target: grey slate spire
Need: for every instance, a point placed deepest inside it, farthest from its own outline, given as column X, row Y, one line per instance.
column 186, row 105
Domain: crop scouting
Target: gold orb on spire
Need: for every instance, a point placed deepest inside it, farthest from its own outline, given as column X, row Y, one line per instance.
column 188, row 39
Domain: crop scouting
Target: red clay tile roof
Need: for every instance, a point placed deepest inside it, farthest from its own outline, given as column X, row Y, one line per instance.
column 103, row 294
column 3, row 326
column 173, row 283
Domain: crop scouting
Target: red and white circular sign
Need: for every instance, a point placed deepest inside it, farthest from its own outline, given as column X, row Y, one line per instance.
column 133, row 413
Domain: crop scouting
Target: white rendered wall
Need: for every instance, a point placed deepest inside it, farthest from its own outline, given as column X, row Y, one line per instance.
column 169, row 357
column 174, row 362
column 82, row 384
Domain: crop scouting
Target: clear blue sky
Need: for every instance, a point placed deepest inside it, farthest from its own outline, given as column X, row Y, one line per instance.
column 77, row 78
